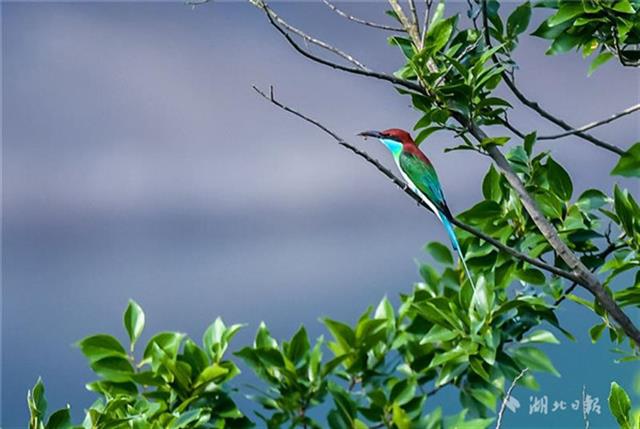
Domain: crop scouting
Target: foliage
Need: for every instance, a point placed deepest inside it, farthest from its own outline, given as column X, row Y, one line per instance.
column 378, row 371
column 620, row 406
column 175, row 384
column 381, row 371
column 604, row 26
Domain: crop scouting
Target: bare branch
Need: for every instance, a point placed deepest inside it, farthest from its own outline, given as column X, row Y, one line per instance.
column 362, row 21
column 414, row 21
column 503, row 407
column 369, row 73
column 384, row 170
column 562, row 124
column 534, row 105
column 308, row 38
column 408, row 26
column 427, row 17
column 595, row 124
column 510, row 127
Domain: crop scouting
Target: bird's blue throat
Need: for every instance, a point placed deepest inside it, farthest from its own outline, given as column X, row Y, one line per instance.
column 394, row 146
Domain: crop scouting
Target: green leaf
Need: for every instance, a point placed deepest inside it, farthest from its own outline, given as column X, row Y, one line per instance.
column 422, row 135
column 440, row 252
column 602, row 58
column 566, row 12
column 592, row 199
column 559, row 180
column 482, row 299
column 37, row 401
column 439, row 34
column 61, row 419
column 99, row 346
column 529, row 141
column 596, row 332
column 299, row 346
column 563, row 43
column 167, row 341
column 498, row 141
column 457, row 354
column 531, row 275
column 115, row 369
column 402, row 392
column 623, row 6
column 629, row 163
column 186, row 419
column 623, row 209
column 437, row 334
column 535, row 360
column 264, row 338
column 540, row 336
column 485, row 397
column 519, row 19
column 342, row 333
column 400, row 418
column 620, row 405
column 211, row 373
column 484, row 210
column 133, row 321
column 491, row 185
column 405, row 45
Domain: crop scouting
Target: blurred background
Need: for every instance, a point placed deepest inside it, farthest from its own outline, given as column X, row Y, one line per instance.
column 138, row 163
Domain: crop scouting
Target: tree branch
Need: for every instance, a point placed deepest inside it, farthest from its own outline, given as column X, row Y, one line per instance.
column 362, row 21
column 411, row 28
column 562, row 124
column 425, row 24
column 384, row 170
column 369, row 73
column 503, row 407
column 594, row 124
column 415, row 23
column 306, row 37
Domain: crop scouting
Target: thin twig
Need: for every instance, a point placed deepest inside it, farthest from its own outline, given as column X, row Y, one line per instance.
column 309, row 39
column 414, row 20
column 362, row 21
column 594, row 124
column 562, row 124
column 505, row 121
column 427, row 14
column 503, row 407
column 384, row 170
column 369, row 73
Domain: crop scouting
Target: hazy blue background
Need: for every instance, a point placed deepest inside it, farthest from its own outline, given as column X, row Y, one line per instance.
column 137, row 162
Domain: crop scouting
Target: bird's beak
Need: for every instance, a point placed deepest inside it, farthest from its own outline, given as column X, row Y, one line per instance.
column 374, row 134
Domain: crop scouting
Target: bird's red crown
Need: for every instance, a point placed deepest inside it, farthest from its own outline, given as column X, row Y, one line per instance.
column 398, row 134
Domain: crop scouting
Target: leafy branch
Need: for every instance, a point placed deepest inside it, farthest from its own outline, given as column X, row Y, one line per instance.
column 579, row 271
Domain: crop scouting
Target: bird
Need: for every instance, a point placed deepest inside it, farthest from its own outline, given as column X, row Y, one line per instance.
column 422, row 179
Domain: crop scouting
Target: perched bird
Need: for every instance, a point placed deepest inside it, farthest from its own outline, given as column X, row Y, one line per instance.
column 417, row 171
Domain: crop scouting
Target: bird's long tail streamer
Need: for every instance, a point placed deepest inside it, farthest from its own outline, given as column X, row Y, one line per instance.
column 454, row 243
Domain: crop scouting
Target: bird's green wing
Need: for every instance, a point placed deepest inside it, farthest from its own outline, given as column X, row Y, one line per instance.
column 424, row 177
